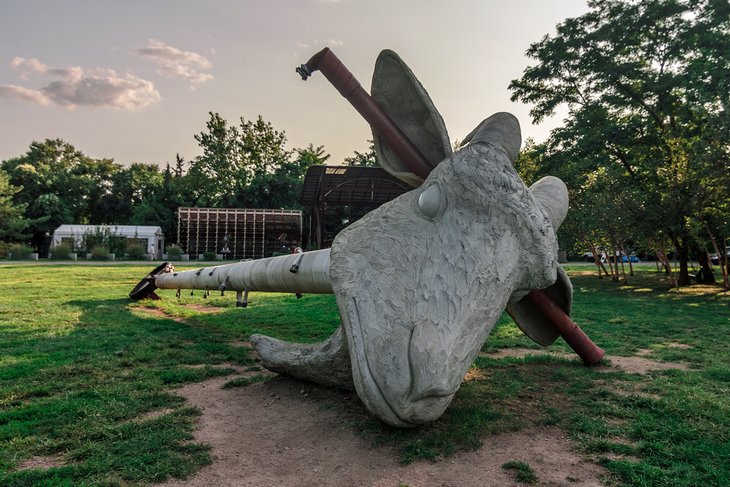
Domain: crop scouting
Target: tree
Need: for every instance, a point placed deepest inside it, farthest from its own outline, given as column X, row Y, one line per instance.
column 248, row 166
column 60, row 185
column 13, row 223
column 647, row 86
column 368, row 158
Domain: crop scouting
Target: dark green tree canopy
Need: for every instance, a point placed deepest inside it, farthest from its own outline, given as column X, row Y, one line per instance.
column 646, row 84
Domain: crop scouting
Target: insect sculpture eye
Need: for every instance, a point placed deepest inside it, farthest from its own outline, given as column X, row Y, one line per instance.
column 429, row 202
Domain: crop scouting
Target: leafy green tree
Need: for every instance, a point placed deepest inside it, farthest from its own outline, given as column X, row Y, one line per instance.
column 248, row 166
column 368, row 158
column 647, row 87
column 60, row 185
column 13, row 223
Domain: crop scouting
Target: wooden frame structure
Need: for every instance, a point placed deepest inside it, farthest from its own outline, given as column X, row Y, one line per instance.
column 238, row 233
column 327, row 188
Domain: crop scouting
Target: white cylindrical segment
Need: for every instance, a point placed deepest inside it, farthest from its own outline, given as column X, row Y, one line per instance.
column 272, row 274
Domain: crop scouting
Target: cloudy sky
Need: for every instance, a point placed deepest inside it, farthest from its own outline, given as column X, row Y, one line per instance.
column 134, row 80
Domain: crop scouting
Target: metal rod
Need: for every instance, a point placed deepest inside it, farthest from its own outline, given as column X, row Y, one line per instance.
column 341, row 78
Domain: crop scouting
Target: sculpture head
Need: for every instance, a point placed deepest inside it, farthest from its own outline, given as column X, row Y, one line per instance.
column 421, row 281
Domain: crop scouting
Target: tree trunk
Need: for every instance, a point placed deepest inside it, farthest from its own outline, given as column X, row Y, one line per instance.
column 683, row 255
column 705, row 275
column 614, row 274
column 597, row 259
column 723, row 257
column 661, row 253
column 631, row 266
column 721, row 260
column 623, row 269
column 619, row 260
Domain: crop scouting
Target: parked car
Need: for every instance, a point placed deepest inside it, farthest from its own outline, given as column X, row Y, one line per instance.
column 587, row 256
column 631, row 257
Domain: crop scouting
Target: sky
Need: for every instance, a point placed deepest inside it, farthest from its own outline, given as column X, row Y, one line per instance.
column 134, row 80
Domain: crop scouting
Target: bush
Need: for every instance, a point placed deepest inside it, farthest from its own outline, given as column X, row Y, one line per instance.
column 100, row 253
column 136, row 251
column 173, row 252
column 4, row 249
column 119, row 245
column 60, row 252
column 209, row 255
column 19, row 252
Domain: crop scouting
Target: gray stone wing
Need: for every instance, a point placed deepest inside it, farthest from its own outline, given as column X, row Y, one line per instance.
column 398, row 92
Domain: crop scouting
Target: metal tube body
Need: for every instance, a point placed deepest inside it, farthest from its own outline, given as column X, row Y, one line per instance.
column 272, row 274
column 348, row 86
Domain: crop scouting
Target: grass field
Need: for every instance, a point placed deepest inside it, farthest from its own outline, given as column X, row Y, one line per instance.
column 80, row 365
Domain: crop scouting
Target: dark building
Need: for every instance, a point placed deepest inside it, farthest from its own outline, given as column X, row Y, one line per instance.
column 337, row 196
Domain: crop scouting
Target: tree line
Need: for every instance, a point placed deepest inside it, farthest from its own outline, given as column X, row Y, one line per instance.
column 645, row 145
column 242, row 165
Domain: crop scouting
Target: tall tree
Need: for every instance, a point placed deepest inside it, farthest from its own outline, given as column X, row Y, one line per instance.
column 647, row 86
column 60, row 185
column 368, row 158
column 248, row 166
column 13, row 223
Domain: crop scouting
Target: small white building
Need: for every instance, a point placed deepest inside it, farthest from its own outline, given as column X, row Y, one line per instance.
column 151, row 238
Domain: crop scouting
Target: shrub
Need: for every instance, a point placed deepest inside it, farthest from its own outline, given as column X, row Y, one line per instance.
column 209, row 255
column 135, row 251
column 100, row 253
column 173, row 252
column 4, row 249
column 119, row 245
column 60, row 252
column 20, row 252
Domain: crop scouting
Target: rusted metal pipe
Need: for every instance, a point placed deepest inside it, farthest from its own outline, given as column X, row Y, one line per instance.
column 589, row 352
column 341, row 78
column 345, row 82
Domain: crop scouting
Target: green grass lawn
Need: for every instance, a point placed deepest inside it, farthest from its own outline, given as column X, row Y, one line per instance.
column 80, row 365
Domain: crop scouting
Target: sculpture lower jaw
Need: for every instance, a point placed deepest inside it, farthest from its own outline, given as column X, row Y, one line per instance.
column 416, row 412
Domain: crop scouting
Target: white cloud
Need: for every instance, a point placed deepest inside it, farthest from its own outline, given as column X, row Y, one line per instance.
column 26, row 66
column 24, row 94
column 175, row 63
column 74, row 86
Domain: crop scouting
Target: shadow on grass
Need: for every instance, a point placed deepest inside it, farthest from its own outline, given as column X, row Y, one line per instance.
column 74, row 394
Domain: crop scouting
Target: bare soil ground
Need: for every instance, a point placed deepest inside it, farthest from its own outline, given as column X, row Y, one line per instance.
column 41, row 462
column 286, row 432
column 633, row 365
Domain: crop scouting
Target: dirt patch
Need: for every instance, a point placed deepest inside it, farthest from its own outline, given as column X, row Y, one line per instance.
column 158, row 313
column 524, row 352
column 42, row 462
column 204, row 309
column 639, row 365
column 150, row 415
column 286, row 432
column 632, row 365
column 644, row 352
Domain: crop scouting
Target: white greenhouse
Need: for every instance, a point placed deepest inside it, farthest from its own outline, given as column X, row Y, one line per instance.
column 78, row 236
